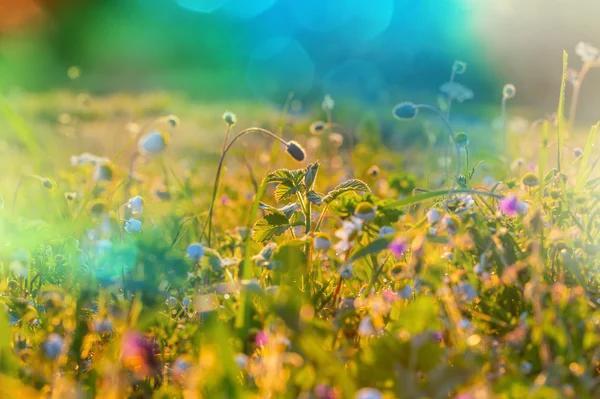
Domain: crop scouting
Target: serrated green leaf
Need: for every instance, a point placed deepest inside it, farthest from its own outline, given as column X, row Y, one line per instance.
column 315, row 197
column 353, row 185
column 265, row 228
column 311, row 175
column 286, row 211
column 285, row 190
column 280, row 176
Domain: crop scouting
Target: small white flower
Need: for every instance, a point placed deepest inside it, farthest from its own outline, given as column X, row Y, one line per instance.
column 386, row 231
column 195, row 251
column 448, row 256
column 523, row 208
column 136, row 204
column 152, row 143
column 456, row 91
column 433, row 216
column 133, row 225
column 406, row 292
column 328, row 103
column 368, row 393
column 348, row 233
column 171, row 302
column 186, row 302
column 587, row 52
column 322, row 243
column 365, row 327
column 346, row 272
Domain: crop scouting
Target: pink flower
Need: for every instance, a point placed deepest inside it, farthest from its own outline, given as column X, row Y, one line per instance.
column 261, row 338
column 138, row 354
column 398, row 246
column 509, row 206
column 224, row 200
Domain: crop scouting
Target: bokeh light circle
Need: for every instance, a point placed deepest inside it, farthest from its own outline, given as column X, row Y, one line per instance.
column 279, row 66
column 357, row 79
column 203, row 6
column 247, row 9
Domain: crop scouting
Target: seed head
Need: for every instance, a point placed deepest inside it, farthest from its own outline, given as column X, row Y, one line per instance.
column 296, row 151
column 317, row 127
column 530, row 180
column 509, row 90
column 461, row 139
column 230, row 118
column 577, row 152
column 373, row 171
column 459, row 67
column 49, row 184
column 405, row 110
column 173, row 120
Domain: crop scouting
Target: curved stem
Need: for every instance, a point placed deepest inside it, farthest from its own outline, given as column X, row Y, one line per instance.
column 450, row 131
column 226, row 148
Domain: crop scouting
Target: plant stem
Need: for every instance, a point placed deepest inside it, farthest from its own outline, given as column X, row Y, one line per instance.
column 226, row 149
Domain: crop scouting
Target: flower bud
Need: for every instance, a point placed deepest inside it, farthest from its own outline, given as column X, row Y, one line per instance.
column 317, row 127
column 153, row 142
column 405, row 110
column 322, row 242
column 136, row 204
column 530, row 180
column 328, row 103
column 195, row 251
column 365, row 211
column 133, row 225
column 230, row 118
column 173, row 120
column 509, row 90
column 296, row 151
column 461, row 139
column 459, row 67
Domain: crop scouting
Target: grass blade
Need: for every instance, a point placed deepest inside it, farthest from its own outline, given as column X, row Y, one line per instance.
column 587, row 151
column 561, row 109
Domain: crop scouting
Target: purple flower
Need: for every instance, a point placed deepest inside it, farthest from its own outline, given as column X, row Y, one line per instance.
column 138, row 354
column 261, row 338
column 398, row 246
column 509, row 206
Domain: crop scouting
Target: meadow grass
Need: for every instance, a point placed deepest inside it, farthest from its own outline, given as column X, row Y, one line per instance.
column 314, row 262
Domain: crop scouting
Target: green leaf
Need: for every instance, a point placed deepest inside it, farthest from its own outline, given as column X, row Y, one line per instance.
column 267, row 227
column 374, row 247
column 585, row 157
column 433, row 194
column 280, row 176
column 286, row 211
column 285, row 190
column 311, row 175
column 211, row 260
column 353, row 185
column 315, row 197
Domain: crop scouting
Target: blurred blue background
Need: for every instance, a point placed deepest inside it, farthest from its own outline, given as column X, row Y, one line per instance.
column 369, row 51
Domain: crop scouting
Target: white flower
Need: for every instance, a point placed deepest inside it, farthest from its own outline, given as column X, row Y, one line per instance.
column 322, row 243
column 88, row 159
column 386, row 231
column 195, row 251
column 187, row 301
column 456, row 91
column 368, row 393
column 152, row 143
column 328, row 103
column 365, row 327
column 406, row 292
column 587, row 52
column 241, row 360
column 133, row 225
column 348, row 233
column 433, row 216
column 171, row 302
column 346, row 271
column 136, row 204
